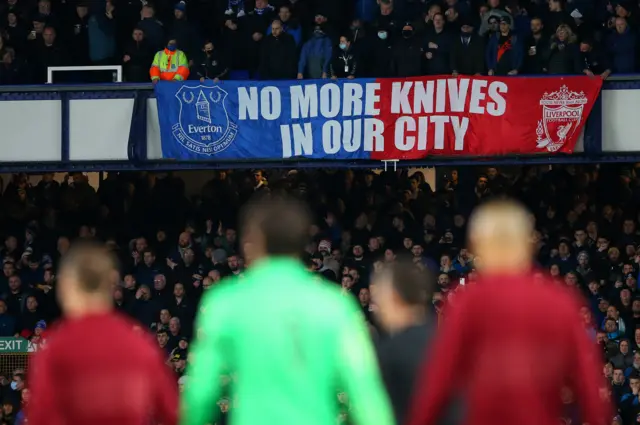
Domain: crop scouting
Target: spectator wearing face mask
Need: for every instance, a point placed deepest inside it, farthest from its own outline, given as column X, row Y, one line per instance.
column 382, row 55
column 170, row 64
column 344, row 63
column 407, row 54
column 386, row 15
column 278, row 57
column 212, row 64
column 467, row 51
column 315, row 56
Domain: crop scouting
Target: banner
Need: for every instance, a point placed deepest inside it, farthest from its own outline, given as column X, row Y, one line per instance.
column 377, row 119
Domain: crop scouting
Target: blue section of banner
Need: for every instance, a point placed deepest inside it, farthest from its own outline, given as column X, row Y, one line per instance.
column 234, row 120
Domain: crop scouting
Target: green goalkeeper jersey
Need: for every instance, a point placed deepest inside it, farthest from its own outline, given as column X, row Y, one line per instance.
column 292, row 342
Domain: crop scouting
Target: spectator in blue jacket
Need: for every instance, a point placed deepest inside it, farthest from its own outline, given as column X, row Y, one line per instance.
column 463, row 263
column 621, row 43
column 504, row 50
column 365, row 10
column 102, row 42
column 289, row 26
column 316, row 55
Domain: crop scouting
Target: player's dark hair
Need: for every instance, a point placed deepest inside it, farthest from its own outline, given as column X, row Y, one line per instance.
column 414, row 286
column 283, row 223
column 92, row 264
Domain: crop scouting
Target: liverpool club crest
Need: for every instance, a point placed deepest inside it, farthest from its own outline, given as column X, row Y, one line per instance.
column 561, row 116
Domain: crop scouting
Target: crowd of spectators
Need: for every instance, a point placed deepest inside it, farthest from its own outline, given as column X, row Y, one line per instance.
column 288, row 39
column 172, row 247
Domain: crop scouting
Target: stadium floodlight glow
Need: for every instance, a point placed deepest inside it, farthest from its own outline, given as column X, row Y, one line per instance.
column 116, row 68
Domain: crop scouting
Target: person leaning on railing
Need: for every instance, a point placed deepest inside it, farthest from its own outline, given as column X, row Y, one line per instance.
column 169, row 64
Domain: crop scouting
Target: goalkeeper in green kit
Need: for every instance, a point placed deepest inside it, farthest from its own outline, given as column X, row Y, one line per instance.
column 291, row 341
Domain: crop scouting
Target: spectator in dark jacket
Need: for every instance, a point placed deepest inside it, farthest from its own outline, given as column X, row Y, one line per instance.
column 536, row 47
column 621, row 43
column 387, row 17
column 407, row 54
column 467, row 51
column 381, row 62
column 557, row 15
column 12, row 70
column 564, row 54
column 153, row 29
column 185, row 31
column 138, row 55
column 289, row 25
column 278, row 57
column 46, row 54
column 344, row 63
column 437, row 46
column 595, row 61
column 504, row 51
column 495, row 12
column 254, row 26
column 76, row 34
column 15, row 33
column 315, row 56
column 212, row 64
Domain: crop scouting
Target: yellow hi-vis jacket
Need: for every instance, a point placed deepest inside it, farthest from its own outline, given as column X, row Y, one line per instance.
column 168, row 65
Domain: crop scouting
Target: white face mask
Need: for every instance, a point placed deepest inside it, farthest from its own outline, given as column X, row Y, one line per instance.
column 14, row 385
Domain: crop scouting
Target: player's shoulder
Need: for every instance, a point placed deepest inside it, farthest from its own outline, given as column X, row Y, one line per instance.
column 331, row 296
column 221, row 295
column 562, row 295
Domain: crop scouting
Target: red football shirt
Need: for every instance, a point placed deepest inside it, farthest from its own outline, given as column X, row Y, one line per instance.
column 506, row 350
column 97, row 370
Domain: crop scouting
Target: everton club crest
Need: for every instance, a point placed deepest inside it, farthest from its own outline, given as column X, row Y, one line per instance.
column 203, row 125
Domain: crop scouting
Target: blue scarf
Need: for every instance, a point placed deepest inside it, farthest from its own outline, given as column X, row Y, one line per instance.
column 263, row 10
column 236, row 4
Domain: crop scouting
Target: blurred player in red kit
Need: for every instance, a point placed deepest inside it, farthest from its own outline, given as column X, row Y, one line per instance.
column 81, row 377
column 509, row 345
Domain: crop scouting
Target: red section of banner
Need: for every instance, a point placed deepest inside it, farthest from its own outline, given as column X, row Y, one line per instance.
column 483, row 116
